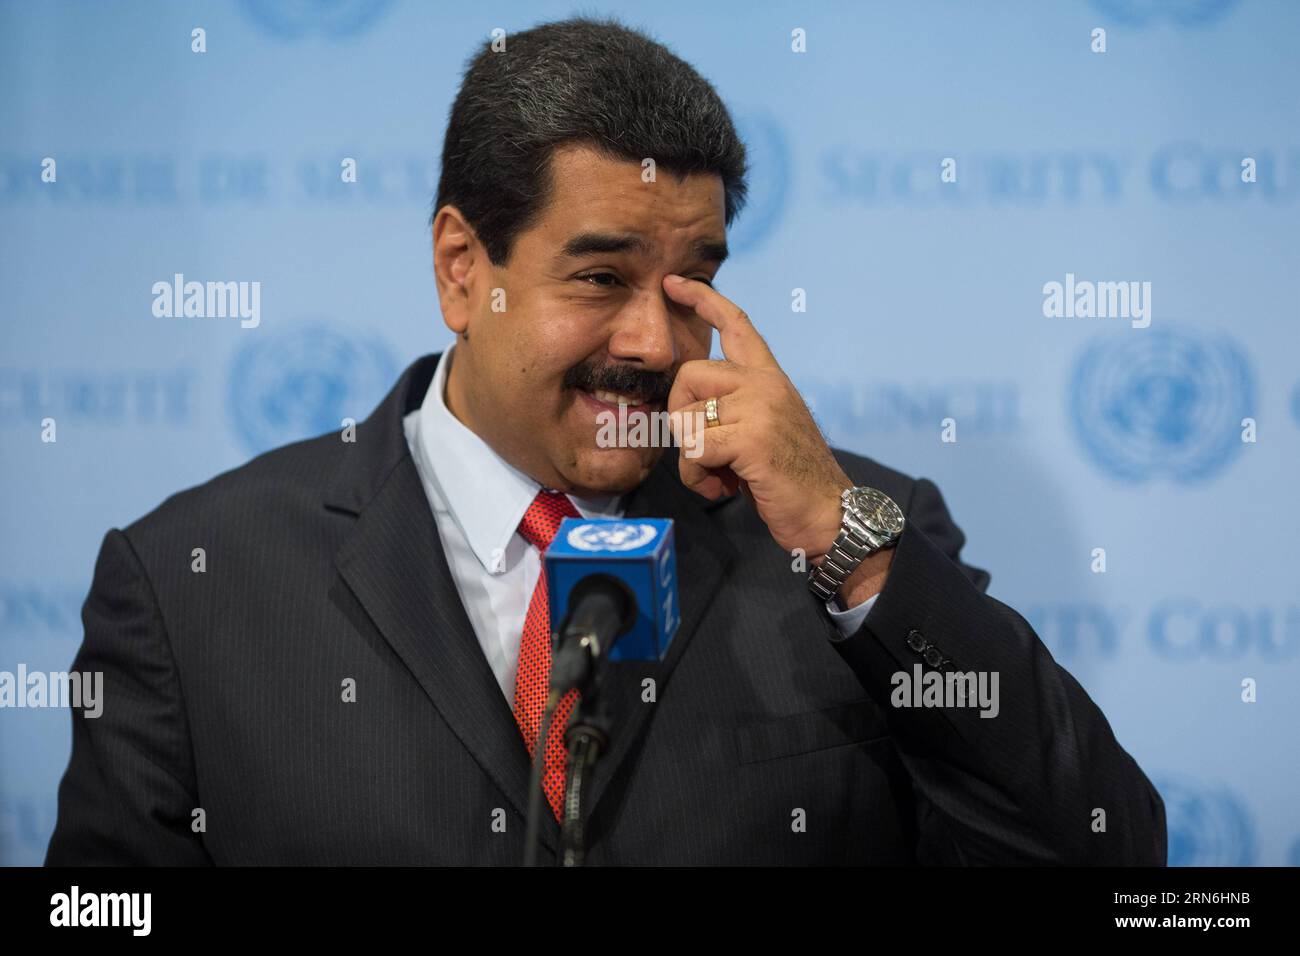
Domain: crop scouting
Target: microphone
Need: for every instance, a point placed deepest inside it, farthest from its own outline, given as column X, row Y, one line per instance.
column 612, row 585
column 612, row 590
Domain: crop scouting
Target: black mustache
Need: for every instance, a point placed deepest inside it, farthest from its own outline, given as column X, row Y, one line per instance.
column 623, row 379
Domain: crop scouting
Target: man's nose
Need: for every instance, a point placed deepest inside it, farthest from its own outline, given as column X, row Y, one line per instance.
column 645, row 332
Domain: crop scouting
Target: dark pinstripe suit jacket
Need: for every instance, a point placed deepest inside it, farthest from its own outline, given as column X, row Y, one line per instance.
column 769, row 742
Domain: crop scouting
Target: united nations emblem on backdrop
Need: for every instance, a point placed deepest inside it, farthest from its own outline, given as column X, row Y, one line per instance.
column 1161, row 404
column 768, row 156
column 1208, row 826
column 303, row 382
column 295, row 19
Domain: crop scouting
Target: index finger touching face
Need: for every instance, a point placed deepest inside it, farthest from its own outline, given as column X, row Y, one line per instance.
column 740, row 341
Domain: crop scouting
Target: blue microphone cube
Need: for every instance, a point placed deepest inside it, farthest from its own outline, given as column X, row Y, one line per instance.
column 639, row 552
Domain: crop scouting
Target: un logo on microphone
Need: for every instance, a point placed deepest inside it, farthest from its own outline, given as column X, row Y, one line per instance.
column 1161, row 404
column 299, row 384
column 1208, row 826
column 611, row 536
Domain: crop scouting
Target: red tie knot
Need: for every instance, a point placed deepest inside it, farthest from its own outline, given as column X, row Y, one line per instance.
column 542, row 520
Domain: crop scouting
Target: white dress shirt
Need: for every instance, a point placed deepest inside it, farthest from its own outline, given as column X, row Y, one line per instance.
column 478, row 500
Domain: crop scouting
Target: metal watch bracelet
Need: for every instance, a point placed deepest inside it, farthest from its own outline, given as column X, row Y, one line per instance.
column 853, row 545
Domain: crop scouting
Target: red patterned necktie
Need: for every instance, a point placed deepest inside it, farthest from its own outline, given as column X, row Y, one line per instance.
column 539, row 526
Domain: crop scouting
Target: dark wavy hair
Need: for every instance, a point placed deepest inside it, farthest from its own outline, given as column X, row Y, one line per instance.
column 594, row 82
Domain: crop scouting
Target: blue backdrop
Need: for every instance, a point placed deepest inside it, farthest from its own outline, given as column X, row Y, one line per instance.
column 1072, row 434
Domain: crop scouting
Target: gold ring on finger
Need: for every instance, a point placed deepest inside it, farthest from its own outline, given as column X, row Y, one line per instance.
column 711, row 413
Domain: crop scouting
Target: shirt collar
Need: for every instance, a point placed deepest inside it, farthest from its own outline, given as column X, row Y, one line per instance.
column 485, row 495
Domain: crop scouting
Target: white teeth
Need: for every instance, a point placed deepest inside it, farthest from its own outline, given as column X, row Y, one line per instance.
column 613, row 398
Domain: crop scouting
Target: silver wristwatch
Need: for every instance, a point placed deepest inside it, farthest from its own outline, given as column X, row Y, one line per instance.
column 871, row 522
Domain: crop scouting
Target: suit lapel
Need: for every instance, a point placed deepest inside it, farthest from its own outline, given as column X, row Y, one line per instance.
column 394, row 564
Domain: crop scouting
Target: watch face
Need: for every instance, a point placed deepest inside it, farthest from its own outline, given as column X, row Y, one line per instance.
column 876, row 510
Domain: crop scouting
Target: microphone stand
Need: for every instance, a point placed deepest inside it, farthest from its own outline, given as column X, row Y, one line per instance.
column 587, row 739
column 602, row 612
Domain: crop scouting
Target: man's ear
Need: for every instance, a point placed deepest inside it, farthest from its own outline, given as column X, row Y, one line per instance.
column 459, row 264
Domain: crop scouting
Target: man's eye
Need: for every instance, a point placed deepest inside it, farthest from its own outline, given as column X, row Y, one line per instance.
column 603, row 279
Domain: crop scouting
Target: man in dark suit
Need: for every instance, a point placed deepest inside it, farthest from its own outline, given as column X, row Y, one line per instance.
column 348, row 671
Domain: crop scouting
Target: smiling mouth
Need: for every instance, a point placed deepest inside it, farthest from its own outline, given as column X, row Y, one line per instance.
column 611, row 401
